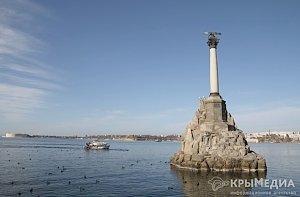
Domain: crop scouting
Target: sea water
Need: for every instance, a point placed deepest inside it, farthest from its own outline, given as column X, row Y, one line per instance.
column 62, row 167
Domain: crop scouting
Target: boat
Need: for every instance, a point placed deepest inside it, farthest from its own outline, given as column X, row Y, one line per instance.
column 96, row 145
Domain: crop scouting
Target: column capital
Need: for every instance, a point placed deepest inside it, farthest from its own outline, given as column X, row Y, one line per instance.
column 212, row 41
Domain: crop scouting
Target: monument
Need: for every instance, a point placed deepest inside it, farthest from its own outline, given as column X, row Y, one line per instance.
column 211, row 140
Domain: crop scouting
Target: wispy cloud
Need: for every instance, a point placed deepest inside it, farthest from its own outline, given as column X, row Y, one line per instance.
column 24, row 80
column 17, row 101
column 17, row 43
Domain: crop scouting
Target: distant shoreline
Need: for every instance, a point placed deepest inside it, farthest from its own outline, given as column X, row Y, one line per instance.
column 157, row 138
column 273, row 137
column 261, row 137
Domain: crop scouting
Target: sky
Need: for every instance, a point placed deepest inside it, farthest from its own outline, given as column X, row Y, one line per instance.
column 140, row 66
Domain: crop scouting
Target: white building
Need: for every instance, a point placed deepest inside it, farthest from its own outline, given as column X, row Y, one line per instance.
column 9, row 134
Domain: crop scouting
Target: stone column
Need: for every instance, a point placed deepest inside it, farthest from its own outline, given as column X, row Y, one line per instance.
column 214, row 79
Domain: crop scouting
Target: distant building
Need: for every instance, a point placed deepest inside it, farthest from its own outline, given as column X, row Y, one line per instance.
column 9, row 134
column 252, row 140
column 274, row 137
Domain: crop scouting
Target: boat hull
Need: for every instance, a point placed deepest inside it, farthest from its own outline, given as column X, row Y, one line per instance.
column 96, row 146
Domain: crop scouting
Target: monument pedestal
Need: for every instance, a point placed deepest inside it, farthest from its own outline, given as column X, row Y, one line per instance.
column 212, row 142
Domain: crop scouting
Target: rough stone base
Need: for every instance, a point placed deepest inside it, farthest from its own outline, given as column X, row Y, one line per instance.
column 217, row 151
column 212, row 142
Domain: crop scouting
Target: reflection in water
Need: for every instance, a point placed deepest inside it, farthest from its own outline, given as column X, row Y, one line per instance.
column 204, row 183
